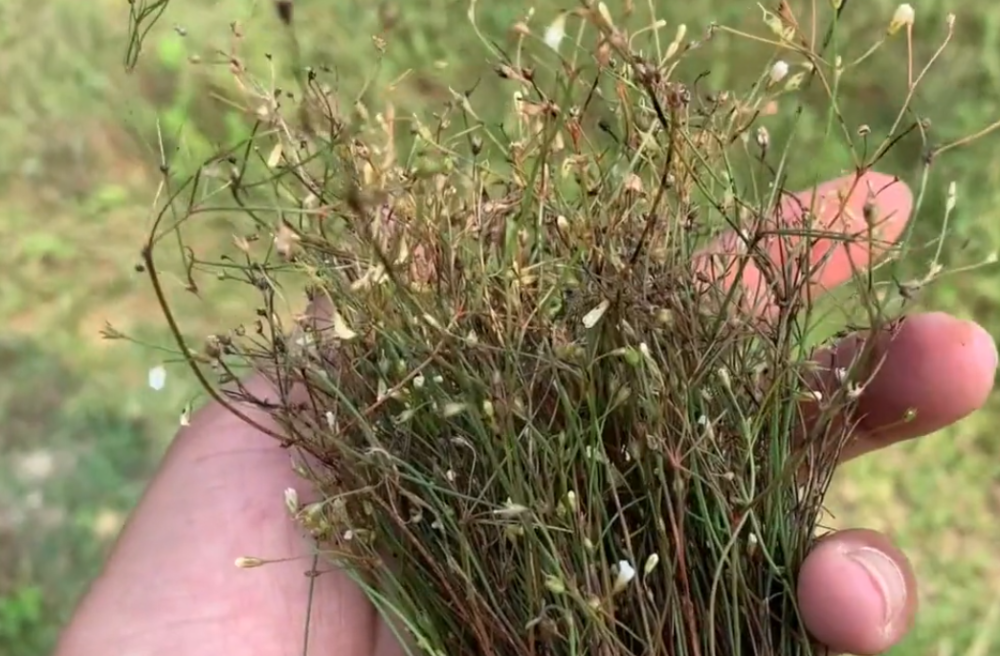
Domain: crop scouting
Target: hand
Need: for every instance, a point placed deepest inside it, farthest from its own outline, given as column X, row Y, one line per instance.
column 170, row 585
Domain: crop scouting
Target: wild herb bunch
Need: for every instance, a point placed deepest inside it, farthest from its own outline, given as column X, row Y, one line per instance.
column 556, row 386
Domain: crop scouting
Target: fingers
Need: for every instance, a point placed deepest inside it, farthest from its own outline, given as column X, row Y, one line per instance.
column 857, row 593
column 843, row 208
column 850, row 221
column 935, row 370
column 170, row 585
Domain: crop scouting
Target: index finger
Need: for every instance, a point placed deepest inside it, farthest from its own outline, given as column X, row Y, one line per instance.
column 845, row 224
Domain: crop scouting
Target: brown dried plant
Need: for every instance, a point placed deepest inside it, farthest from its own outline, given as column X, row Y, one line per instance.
column 557, row 385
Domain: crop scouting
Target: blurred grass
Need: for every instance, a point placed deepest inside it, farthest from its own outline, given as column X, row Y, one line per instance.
column 80, row 431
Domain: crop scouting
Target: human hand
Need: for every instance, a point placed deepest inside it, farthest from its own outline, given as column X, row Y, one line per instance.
column 170, row 586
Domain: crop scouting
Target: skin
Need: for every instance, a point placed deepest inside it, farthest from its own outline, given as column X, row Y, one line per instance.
column 170, row 586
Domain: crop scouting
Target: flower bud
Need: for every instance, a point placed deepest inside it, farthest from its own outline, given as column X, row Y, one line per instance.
column 903, row 17
column 625, row 575
column 555, row 32
column 778, row 71
column 291, row 500
column 651, row 564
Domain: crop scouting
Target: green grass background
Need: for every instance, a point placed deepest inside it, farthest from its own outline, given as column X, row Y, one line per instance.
column 80, row 431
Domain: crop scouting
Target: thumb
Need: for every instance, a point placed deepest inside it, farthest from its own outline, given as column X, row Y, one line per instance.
column 857, row 593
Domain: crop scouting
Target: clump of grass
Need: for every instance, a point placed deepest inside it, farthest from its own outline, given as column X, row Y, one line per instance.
column 546, row 412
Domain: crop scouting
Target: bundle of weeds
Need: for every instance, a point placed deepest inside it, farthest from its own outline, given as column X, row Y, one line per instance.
column 544, row 413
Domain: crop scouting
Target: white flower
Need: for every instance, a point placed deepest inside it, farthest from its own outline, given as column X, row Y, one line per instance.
column 952, row 197
column 157, row 377
column 724, row 377
column 291, row 500
column 763, row 138
column 511, row 509
column 854, row 390
column 555, row 32
column 625, row 575
column 778, row 71
column 453, row 409
column 342, row 331
column 591, row 318
column 248, row 562
column 903, row 17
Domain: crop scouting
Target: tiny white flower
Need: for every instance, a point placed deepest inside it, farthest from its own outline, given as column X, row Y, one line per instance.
column 341, row 330
column 625, row 575
column 570, row 500
column 812, row 395
column 651, row 563
column 724, row 378
column 157, row 378
column 555, row 32
column 554, row 584
column 951, row 198
column 453, row 409
column 249, row 562
column 511, row 509
column 291, row 500
column 591, row 318
column 763, row 138
column 778, row 71
column 903, row 17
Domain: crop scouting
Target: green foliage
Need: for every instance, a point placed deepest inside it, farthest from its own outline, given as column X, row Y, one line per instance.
column 90, row 461
column 22, row 621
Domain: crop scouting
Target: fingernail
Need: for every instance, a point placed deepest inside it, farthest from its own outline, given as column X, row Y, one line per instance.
column 888, row 579
column 996, row 357
column 982, row 337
